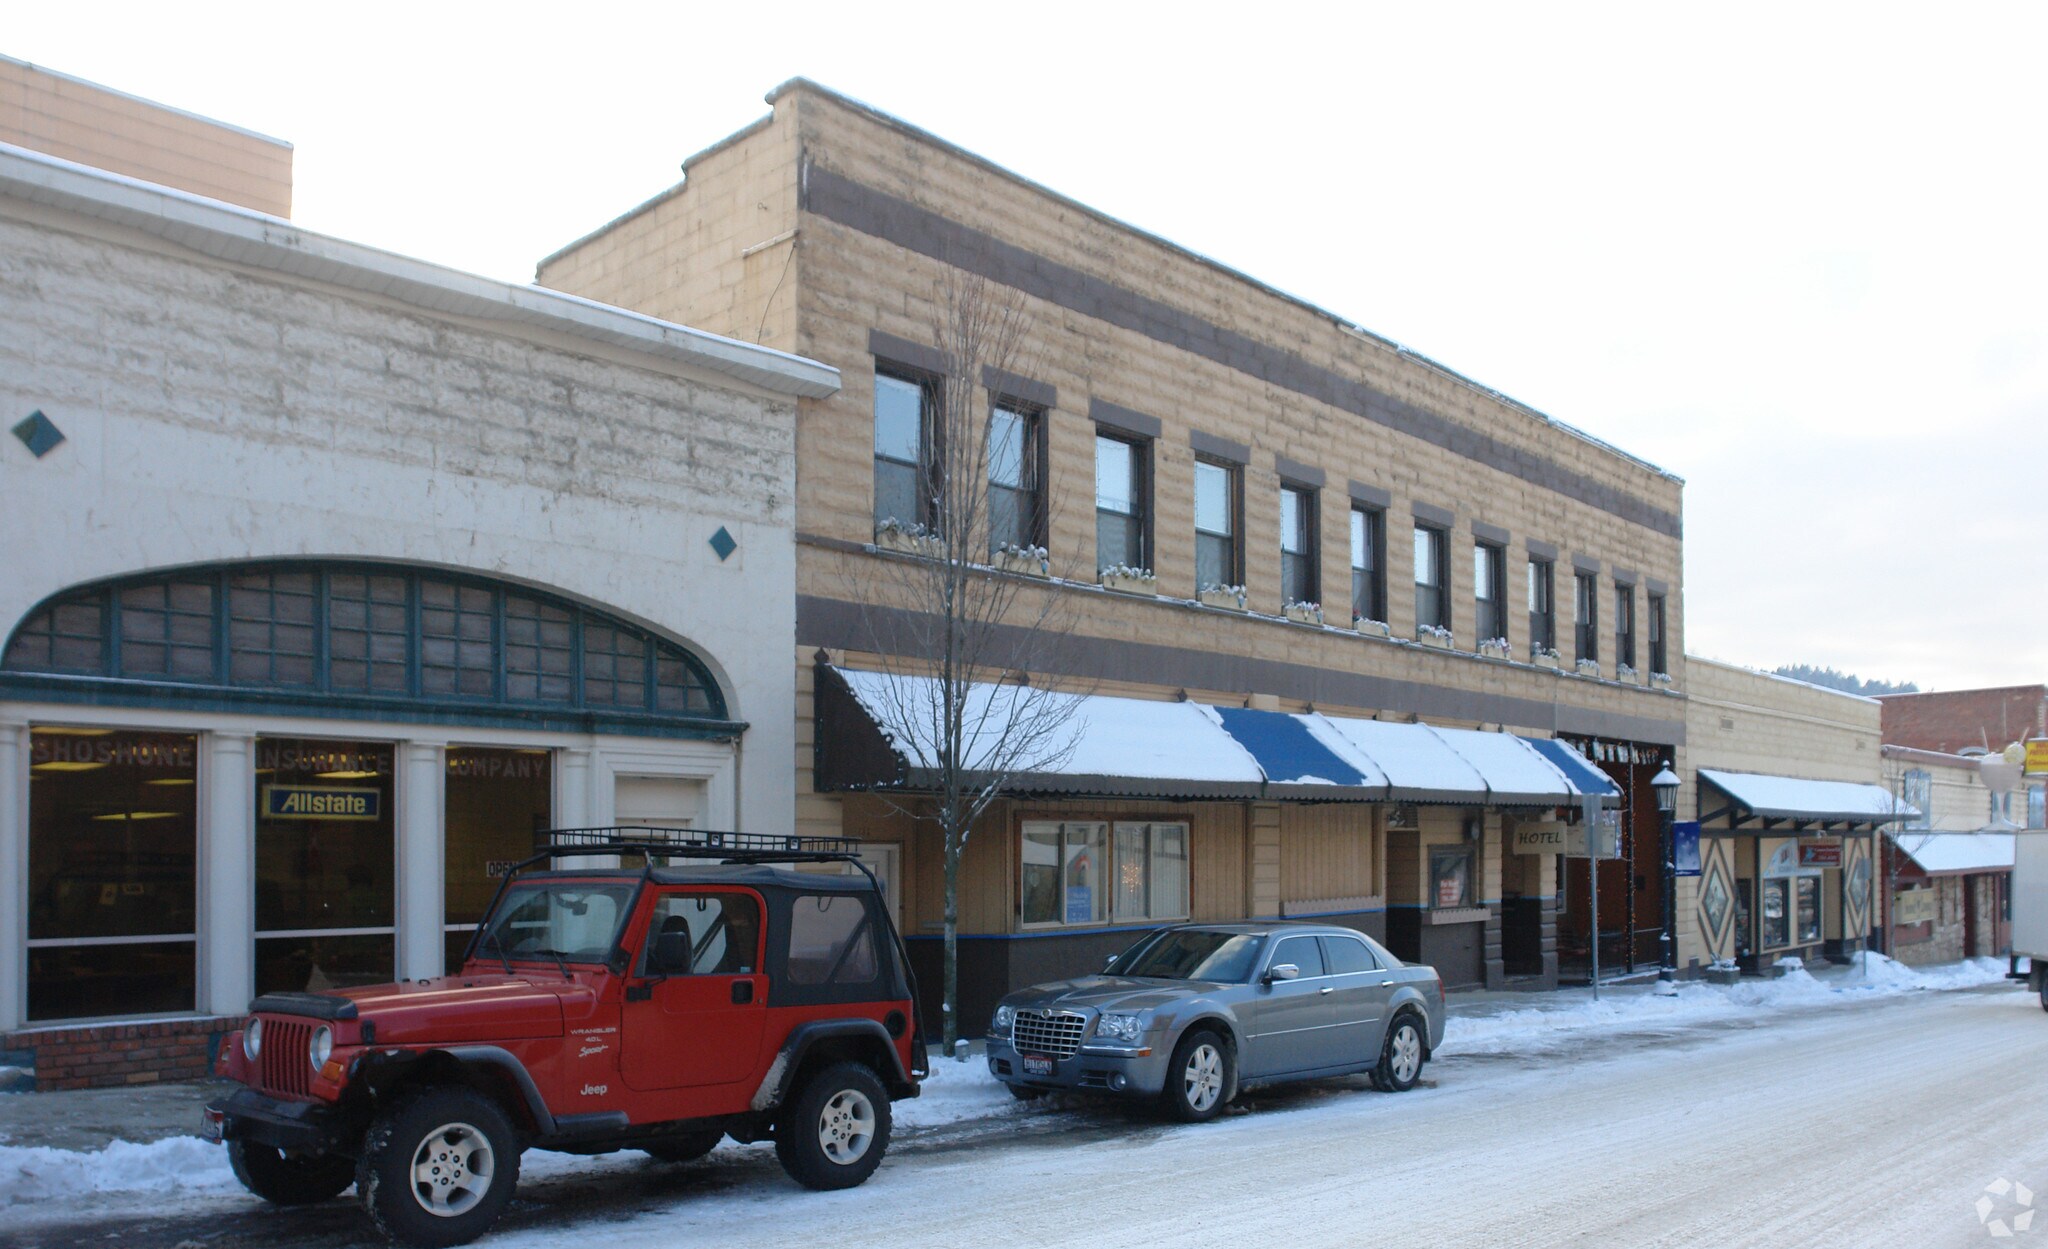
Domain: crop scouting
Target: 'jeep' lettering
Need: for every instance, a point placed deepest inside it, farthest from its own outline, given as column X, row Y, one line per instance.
column 320, row 802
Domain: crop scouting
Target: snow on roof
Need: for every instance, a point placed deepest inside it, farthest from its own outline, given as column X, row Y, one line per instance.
column 1112, row 737
column 1795, row 798
column 1952, row 853
column 1290, row 753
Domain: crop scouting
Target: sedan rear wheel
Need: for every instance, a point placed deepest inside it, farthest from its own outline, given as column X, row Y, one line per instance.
column 1201, row 1077
column 1402, row 1056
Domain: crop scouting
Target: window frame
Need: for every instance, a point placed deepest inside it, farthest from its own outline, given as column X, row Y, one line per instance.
column 1032, row 416
column 1659, row 657
column 1310, row 537
column 1441, row 854
column 1542, row 622
column 1141, row 493
column 1585, row 616
column 926, row 470
column 1496, row 583
column 1233, row 478
column 1624, row 625
column 1110, row 825
column 1440, row 560
column 1370, row 523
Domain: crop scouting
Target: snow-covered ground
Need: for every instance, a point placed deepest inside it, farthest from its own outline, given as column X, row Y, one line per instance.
column 961, row 1103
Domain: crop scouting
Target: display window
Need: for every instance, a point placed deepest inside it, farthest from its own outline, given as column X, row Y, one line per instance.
column 325, row 823
column 1450, row 876
column 1090, row 872
column 1808, row 897
column 113, row 868
column 1777, row 912
column 497, row 801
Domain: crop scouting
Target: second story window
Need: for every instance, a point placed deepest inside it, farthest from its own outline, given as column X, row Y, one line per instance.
column 1297, row 545
column 1542, row 605
column 1012, row 479
column 1432, row 578
column 1368, row 554
column 1586, row 616
column 902, row 452
column 1216, row 561
column 1625, row 625
column 1658, row 660
column 1120, row 527
column 1489, row 591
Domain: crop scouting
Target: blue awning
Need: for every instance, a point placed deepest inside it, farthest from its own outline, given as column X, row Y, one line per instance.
column 1583, row 777
column 1295, row 763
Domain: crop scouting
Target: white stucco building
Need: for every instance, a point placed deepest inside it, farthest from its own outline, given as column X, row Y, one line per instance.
column 331, row 575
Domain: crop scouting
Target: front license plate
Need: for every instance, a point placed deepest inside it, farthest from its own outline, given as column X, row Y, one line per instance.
column 1037, row 1065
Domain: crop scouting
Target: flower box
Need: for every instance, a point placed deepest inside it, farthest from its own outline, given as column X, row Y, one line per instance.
column 1622, row 672
column 1439, row 638
column 1227, row 597
column 1130, row 581
column 1587, row 668
column 1031, row 563
column 1372, row 628
column 1545, row 657
column 1305, row 613
column 908, row 540
column 1494, row 648
column 1661, row 679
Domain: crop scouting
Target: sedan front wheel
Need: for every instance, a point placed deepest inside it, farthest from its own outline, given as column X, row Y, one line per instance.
column 1200, row 1078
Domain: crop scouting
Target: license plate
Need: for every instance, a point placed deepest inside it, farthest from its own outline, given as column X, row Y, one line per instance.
column 1037, row 1065
column 210, row 1125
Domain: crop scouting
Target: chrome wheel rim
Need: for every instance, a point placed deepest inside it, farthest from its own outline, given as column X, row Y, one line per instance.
column 1202, row 1079
column 452, row 1170
column 1407, row 1053
column 846, row 1127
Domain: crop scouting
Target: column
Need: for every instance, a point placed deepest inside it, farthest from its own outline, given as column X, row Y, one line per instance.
column 13, row 874
column 227, row 882
column 422, row 858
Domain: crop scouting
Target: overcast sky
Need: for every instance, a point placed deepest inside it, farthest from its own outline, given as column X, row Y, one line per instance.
column 1798, row 256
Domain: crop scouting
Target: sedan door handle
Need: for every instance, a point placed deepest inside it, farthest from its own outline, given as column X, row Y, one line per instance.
column 1386, row 984
column 1324, row 989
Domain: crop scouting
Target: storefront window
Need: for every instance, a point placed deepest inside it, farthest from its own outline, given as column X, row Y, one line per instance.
column 496, row 801
column 113, row 861
column 1809, row 908
column 324, row 863
column 1079, row 873
column 1777, row 895
column 1450, row 874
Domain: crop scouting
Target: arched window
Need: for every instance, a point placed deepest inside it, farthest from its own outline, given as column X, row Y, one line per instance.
column 341, row 638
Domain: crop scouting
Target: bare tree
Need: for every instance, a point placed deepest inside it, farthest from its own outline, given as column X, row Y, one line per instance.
column 966, row 648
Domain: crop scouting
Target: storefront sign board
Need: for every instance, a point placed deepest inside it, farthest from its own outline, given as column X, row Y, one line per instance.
column 1685, row 848
column 321, row 802
column 1913, row 906
column 2037, row 757
column 1820, row 853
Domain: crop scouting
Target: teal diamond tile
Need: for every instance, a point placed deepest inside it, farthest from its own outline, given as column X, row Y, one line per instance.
column 724, row 543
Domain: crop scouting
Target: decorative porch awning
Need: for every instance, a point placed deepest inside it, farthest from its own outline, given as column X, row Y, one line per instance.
column 1794, row 801
column 1579, row 771
column 874, row 732
column 1958, row 854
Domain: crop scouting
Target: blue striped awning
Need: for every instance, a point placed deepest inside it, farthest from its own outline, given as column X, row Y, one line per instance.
column 1578, row 771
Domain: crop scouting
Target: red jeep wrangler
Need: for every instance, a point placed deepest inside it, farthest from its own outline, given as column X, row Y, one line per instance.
column 709, row 993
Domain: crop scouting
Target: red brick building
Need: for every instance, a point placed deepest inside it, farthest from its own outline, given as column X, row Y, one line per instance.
column 1957, row 719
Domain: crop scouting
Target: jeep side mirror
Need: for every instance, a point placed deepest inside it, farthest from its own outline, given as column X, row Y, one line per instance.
column 1282, row 971
column 620, row 962
column 670, row 955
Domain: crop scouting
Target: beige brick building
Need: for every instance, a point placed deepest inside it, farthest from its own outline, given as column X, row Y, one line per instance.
column 825, row 229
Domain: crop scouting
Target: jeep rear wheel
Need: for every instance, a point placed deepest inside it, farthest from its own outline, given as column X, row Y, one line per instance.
column 684, row 1146
column 438, row 1167
column 282, row 1180
column 834, row 1133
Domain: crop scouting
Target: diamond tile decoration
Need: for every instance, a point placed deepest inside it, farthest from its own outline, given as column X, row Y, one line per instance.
column 1717, row 904
column 724, row 543
column 39, row 434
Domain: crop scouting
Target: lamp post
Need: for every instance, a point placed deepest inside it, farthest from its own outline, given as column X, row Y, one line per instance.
column 1665, row 784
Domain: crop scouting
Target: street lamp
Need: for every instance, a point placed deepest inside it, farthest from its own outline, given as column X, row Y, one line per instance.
column 1665, row 784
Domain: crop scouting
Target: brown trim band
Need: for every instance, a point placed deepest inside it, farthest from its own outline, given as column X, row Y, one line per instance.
column 1298, row 473
column 904, row 352
column 1007, row 385
column 830, row 622
column 1121, row 418
column 1219, row 448
column 878, row 214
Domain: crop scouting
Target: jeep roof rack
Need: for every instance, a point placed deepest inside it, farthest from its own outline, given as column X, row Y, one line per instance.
column 694, row 843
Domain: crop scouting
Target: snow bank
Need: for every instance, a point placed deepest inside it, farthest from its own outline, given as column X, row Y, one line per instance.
column 1479, row 1031
column 180, row 1166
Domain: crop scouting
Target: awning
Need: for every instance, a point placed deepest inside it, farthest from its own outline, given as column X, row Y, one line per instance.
column 874, row 732
column 1579, row 772
column 1800, row 801
column 1958, row 854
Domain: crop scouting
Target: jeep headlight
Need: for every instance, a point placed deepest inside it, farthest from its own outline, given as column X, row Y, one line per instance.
column 1125, row 1028
column 1006, row 1018
column 252, row 1040
column 320, row 1046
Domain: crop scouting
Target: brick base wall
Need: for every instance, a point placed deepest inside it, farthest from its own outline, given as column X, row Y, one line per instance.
column 113, row 1055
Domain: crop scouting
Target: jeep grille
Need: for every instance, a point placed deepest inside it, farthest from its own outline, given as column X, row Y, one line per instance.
column 1054, row 1033
column 283, row 1064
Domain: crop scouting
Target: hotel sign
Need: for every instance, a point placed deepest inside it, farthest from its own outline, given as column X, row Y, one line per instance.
column 321, row 802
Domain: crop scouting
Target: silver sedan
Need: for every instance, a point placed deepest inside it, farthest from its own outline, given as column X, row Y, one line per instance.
column 1195, row 1014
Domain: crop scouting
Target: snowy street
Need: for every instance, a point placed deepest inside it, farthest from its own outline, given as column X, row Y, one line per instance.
column 1774, row 1115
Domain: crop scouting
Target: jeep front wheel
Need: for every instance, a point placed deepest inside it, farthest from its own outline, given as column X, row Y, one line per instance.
column 438, row 1167
column 283, row 1180
column 834, row 1133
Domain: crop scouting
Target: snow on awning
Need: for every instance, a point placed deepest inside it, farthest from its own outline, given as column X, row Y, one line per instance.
column 1957, row 854
column 1578, row 771
column 1296, row 762
column 1516, row 775
column 1794, row 798
column 1419, row 765
column 875, row 731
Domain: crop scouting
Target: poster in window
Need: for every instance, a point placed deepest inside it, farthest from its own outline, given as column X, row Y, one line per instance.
column 1452, row 874
column 1809, row 908
column 1777, row 913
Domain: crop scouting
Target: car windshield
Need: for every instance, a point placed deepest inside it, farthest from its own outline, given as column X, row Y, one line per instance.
column 570, row 921
column 1191, row 954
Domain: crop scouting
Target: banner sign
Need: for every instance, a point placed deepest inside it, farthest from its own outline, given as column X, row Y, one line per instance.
column 321, row 802
column 1685, row 848
column 1547, row 837
column 1820, row 853
column 1913, row 906
column 2037, row 757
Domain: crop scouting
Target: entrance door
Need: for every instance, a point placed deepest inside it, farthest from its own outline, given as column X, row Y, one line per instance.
column 702, row 1018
